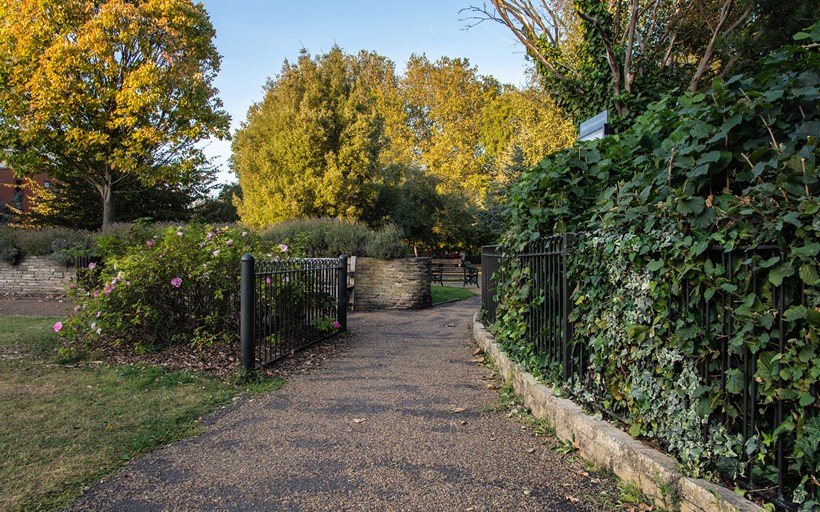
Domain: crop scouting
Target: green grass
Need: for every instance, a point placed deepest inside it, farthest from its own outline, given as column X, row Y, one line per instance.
column 29, row 334
column 448, row 293
column 65, row 427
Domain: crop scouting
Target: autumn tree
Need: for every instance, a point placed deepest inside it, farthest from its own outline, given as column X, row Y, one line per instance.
column 311, row 147
column 116, row 93
column 444, row 102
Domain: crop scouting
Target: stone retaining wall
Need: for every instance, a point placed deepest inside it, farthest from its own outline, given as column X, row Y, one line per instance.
column 34, row 276
column 392, row 284
column 380, row 284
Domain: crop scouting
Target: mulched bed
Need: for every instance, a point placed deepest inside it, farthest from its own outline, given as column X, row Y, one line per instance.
column 222, row 361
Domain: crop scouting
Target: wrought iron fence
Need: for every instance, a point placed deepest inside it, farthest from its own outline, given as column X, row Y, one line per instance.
column 288, row 305
column 549, row 330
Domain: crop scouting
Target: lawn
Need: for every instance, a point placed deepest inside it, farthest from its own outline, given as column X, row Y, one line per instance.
column 448, row 293
column 65, row 426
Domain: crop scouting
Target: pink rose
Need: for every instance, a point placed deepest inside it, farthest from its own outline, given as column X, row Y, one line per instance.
column 283, row 247
column 58, row 326
column 149, row 243
column 336, row 324
column 176, row 282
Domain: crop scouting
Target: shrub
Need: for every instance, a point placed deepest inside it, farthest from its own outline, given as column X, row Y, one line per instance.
column 387, row 243
column 41, row 242
column 328, row 238
column 177, row 285
column 9, row 253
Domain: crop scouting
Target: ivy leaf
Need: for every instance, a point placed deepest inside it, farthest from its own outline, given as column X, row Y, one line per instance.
column 808, row 250
column 654, row 265
column 734, row 381
column 806, row 399
column 777, row 275
column 709, row 157
column 769, row 262
column 691, row 206
column 795, row 313
column 809, row 274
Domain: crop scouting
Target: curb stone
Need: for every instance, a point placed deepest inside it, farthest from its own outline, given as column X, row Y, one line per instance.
column 657, row 474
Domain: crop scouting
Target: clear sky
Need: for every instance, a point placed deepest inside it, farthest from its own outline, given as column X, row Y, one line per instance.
column 255, row 37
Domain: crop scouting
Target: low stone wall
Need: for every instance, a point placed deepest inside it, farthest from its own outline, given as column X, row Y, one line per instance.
column 392, row 284
column 34, row 276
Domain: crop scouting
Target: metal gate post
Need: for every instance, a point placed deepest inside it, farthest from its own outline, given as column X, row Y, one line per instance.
column 247, row 312
column 341, row 295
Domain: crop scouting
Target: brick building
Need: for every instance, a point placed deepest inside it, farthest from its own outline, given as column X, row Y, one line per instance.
column 14, row 192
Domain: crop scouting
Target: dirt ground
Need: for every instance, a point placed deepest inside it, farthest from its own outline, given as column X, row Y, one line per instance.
column 34, row 306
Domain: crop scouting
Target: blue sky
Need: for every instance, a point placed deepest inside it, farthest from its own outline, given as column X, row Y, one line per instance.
column 255, row 37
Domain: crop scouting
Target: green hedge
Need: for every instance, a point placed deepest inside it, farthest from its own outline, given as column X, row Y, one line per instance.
column 731, row 167
column 319, row 238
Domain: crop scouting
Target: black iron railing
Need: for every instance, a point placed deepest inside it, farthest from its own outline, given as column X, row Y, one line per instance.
column 288, row 305
column 550, row 331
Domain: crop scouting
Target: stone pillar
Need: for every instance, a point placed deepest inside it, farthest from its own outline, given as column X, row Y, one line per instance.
column 392, row 284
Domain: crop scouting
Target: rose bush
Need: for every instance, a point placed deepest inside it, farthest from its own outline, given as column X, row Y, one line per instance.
column 171, row 285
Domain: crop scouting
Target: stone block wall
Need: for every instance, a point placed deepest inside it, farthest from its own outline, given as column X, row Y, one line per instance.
column 392, row 284
column 34, row 276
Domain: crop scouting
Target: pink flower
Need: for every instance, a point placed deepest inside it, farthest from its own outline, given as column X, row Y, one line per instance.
column 176, row 282
column 216, row 253
column 109, row 289
column 98, row 314
column 149, row 243
column 96, row 293
column 99, row 331
column 58, row 326
column 267, row 279
column 336, row 324
column 179, row 233
column 229, row 242
column 93, row 325
column 91, row 265
column 72, row 286
column 283, row 247
column 244, row 233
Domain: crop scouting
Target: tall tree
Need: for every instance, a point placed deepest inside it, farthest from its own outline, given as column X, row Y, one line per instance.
column 311, row 147
column 444, row 102
column 621, row 54
column 111, row 92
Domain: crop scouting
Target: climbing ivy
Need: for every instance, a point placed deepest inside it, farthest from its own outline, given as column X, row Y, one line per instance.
column 731, row 170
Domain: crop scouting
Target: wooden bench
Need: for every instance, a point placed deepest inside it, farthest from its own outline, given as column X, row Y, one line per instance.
column 453, row 270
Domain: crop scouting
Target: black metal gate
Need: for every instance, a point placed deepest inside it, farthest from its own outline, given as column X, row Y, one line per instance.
column 288, row 305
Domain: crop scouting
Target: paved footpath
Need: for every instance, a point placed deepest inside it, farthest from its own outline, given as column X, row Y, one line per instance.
column 378, row 426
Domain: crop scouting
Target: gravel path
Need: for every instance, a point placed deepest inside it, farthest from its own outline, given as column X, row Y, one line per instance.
column 400, row 419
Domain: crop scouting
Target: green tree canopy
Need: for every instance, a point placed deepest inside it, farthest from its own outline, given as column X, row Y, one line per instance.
column 311, row 147
column 111, row 92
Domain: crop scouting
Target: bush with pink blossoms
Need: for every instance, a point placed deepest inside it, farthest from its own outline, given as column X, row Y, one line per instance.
column 176, row 285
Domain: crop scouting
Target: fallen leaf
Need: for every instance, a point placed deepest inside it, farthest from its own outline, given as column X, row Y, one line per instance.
column 643, row 507
column 576, row 444
column 459, row 409
column 490, row 386
column 531, row 450
column 477, row 360
column 359, row 420
column 573, row 499
column 463, row 423
column 582, row 473
column 477, row 351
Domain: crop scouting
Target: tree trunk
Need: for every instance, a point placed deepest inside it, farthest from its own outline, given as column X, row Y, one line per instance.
column 107, row 192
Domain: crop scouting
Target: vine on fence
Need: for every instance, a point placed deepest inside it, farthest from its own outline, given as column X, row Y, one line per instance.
column 734, row 167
